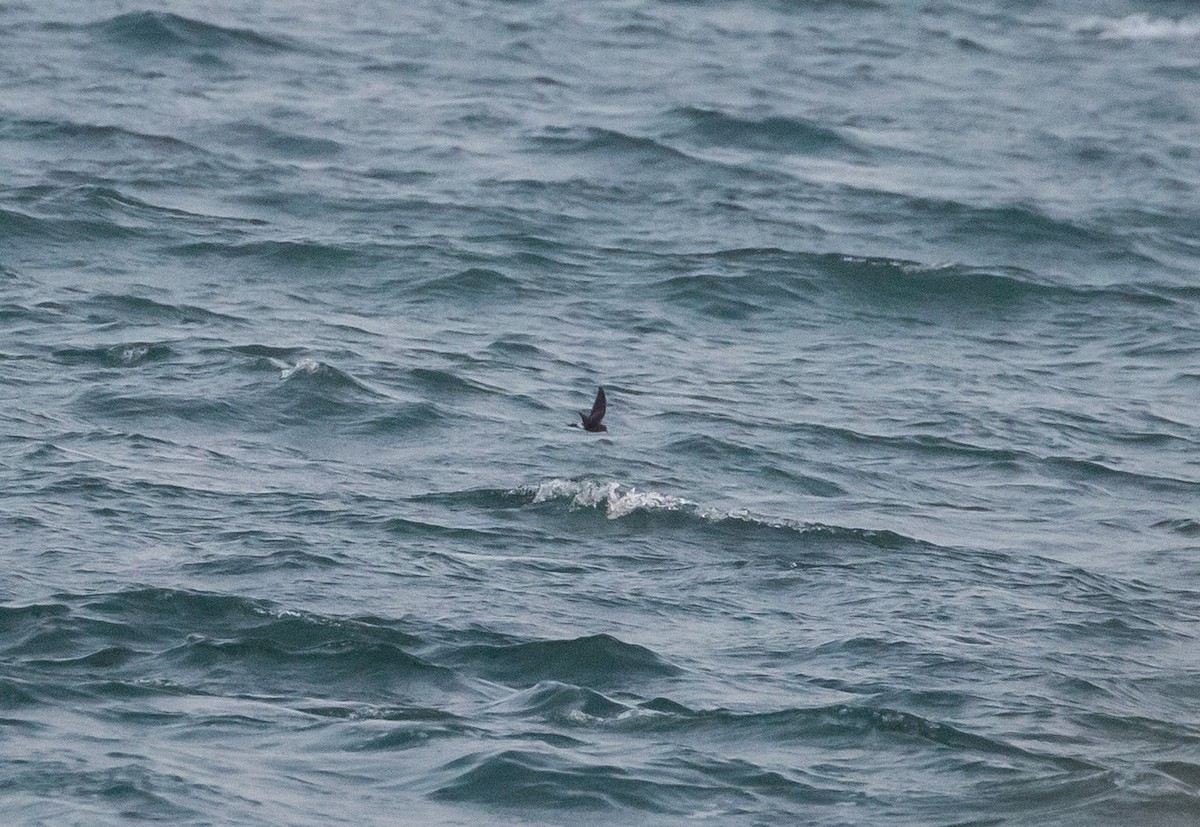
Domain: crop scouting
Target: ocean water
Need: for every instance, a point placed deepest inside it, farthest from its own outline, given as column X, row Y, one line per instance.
column 897, row 308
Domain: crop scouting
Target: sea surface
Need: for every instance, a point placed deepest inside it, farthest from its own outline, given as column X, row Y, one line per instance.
column 897, row 309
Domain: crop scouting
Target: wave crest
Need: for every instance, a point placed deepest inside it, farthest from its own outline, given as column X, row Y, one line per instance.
column 667, row 512
column 616, row 500
column 773, row 133
column 1140, row 27
column 164, row 31
column 125, row 355
column 594, row 660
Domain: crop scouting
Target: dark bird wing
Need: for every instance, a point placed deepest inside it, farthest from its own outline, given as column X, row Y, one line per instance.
column 598, row 407
column 591, row 421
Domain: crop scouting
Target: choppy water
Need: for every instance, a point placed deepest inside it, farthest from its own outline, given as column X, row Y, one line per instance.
column 897, row 305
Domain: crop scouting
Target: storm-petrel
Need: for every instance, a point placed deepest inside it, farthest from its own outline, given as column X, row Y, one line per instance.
column 592, row 421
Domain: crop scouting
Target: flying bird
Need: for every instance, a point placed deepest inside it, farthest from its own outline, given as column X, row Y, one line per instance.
column 593, row 421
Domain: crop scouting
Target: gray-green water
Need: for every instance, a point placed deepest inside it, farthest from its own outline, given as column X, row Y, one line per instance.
column 897, row 520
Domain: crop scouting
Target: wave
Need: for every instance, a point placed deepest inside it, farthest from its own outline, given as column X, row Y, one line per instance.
column 1021, row 222
column 275, row 140
column 914, row 283
column 701, row 776
column 91, row 135
column 1186, row 772
column 1140, row 27
column 310, row 390
column 126, row 355
column 741, row 282
column 203, row 641
column 404, row 418
column 252, row 565
column 307, row 392
column 268, row 351
column 476, row 284
column 109, row 202
column 727, row 454
column 152, row 31
column 15, row 694
column 1072, row 468
column 1002, row 227
column 443, row 383
column 98, row 213
column 919, row 444
column 408, row 727
column 44, row 313
column 16, row 224
column 272, row 658
column 123, row 784
column 658, row 511
column 309, row 255
column 423, row 530
column 732, row 296
column 701, row 787
column 372, row 685
column 612, row 143
column 518, row 346
column 563, row 703
column 1089, row 470
column 614, row 499
column 525, row 779
column 835, row 722
column 321, row 375
column 106, row 403
column 123, row 309
column 1186, row 527
column 595, row 660
column 772, row 133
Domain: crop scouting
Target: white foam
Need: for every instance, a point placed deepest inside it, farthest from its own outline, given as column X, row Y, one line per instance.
column 617, row 500
column 132, row 354
column 620, row 504
column 745, row 515
column 1140, row 27
column 303, row 366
